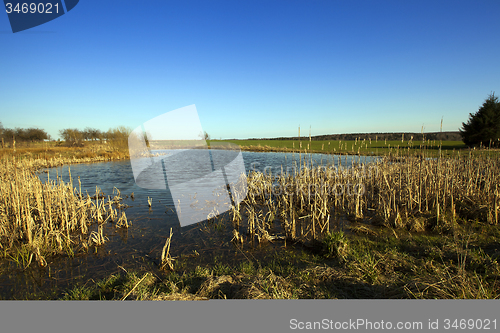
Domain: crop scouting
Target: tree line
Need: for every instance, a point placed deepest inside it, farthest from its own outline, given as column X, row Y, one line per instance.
column 70, row 136
column 9, row 135
column 76, row 137
column 445, row 136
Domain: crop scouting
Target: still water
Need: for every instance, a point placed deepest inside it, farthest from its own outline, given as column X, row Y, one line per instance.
column 140, row 245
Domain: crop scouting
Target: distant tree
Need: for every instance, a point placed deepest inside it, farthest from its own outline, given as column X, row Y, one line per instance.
column 21, row 134
column 483, row 127
column 118, row 136
column 87, row 134
column 91, row 134
column 95, row 134
column 99, row 135
column 8, row 134
column 35, row 134
column 204, row 136
column 64, row 133
column 72, row 136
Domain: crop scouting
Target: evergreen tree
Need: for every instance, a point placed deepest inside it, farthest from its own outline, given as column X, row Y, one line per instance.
column 483, row 127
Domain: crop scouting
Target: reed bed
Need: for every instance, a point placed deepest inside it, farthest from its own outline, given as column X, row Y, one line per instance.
column 409, row 192
column 88, row 153
column 42, row 218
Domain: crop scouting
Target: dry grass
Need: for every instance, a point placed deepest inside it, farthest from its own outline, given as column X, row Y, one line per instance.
column 407, row 192
column 264, row 285
column 91, row 152
column 43, row 218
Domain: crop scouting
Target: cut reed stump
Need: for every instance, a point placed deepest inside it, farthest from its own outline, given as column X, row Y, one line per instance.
column 122, row 222
column 166, row 258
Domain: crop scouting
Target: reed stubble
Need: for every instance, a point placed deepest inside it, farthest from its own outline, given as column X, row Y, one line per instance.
column 409, row 192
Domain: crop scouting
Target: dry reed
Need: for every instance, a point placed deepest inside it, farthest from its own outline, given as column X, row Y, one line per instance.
column 398, row 192
column 45, row 217
column 166, row 258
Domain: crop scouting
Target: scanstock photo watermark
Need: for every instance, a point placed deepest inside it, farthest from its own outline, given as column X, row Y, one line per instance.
column 370, row 325
column 357, row 324
column 311, row 189
column 25, row 15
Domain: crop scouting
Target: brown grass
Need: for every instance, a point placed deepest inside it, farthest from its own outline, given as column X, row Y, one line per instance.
column 91, row 150
column 412, row 193
column 42, row 218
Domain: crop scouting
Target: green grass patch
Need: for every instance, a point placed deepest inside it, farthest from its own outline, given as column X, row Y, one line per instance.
column 362, row 147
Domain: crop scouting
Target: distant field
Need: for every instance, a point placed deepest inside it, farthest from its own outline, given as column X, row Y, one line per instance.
column 363, row 147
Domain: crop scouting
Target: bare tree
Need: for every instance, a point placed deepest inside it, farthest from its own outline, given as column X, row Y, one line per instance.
column 72, row 136
column 204, row 136
column 118, row 136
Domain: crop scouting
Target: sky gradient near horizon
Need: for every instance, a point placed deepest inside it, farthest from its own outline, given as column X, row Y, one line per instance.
column 254, row 68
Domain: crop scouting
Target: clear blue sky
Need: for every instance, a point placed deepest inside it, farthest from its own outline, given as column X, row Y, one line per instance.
column 254, row 68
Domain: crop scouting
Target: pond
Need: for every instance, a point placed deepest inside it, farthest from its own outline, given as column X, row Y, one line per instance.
column 140, row 245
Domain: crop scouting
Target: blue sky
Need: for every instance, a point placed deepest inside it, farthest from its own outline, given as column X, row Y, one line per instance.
column 254, row 68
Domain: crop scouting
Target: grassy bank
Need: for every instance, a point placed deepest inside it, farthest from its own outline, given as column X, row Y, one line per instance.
column 378, row 264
